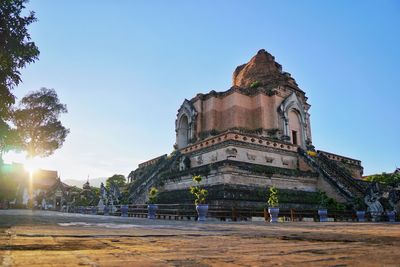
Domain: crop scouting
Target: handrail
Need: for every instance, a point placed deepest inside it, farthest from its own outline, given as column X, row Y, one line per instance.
column 147, row 179
column 336, row 168
column 188, row 211
column 342, row 188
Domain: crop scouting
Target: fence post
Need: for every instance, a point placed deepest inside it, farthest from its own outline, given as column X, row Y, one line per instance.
column 266, row 215
column 292, row 215
column 234, row 214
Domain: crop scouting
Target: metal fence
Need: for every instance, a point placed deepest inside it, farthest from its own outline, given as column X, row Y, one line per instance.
column 223, row 213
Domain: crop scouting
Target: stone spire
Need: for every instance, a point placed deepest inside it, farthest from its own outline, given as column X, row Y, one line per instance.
column 262, row 69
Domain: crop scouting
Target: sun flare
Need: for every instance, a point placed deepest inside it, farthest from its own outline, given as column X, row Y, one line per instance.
column 30, row 166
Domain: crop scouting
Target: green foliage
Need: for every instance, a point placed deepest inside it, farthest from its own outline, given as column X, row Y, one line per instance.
column 125, row 196
column 8, row 138
column 270, row 170
column 153, row 195
column 323, row 200
column 199, row 193
column 273, row 200
column 334, row 205
column 8, row 185
column 86, row 197
column 95, row 190
column 16, row 51
column 37, row 123
column 358, row 204
column 255, row 84
column 197, row 178
column 244, row 193
column 385, row 178
column 117, row 179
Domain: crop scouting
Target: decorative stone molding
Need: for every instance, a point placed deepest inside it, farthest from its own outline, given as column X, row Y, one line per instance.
column 292, row 102
column 269, row 159
column 199, row 159
column 251, row 156
column 214, row 157
column 231, row 151
column 185, row 124
column 245, row 139
column 184, row 163
column 285, row 162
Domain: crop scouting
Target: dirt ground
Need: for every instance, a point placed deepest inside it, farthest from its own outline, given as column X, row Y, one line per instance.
column 54, row 239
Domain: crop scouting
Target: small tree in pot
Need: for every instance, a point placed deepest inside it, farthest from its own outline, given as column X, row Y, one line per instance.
column 152, row 207
column 322, row 210
column 200, row 195
column 273, row 203
column 359, row 207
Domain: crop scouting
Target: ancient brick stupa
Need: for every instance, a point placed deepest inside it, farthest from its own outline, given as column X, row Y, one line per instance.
column 245, row 139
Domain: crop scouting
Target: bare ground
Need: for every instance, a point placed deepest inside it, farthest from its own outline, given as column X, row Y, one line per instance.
column 64, row 240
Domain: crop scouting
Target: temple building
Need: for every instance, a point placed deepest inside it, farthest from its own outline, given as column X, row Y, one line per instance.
column 255, row 135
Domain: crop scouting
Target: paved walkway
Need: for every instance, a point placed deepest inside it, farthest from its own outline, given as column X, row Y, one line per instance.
column 56, row 239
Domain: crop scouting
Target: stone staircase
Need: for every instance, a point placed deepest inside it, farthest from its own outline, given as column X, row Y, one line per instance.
column 139, row 189
column 348, row 186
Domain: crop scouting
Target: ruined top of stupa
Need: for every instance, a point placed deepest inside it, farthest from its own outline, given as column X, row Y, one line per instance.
column 261, row 69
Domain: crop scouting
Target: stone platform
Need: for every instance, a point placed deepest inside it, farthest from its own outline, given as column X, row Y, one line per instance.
column 56, row 239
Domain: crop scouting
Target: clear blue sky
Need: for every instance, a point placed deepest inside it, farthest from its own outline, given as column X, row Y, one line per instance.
column 124, row 67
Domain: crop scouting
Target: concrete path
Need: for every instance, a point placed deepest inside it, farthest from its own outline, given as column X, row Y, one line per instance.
column 43, row 238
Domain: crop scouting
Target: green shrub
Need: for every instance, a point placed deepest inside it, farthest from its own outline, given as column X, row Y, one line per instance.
column 255, row 84
column 323, row 200
column 273, row 200
column 200, row 194
column 153, row 195
column 358, row 204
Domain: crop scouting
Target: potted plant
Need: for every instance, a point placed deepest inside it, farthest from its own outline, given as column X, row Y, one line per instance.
column 200, row 195
column 322, row 211
column 152, row 207
column 124, row 210
column 391, row 215
column 93, row 210
column 106, row 210
column 273, row 202
column 360, row 207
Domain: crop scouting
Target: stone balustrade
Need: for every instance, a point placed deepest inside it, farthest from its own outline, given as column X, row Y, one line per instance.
column 152, row 161
column 343, row 159
column 232, row 136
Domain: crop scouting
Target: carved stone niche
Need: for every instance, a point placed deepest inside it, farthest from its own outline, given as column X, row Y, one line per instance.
column 285, row 162
column 251, row 156
column 269, row 159
column 231, row 153
column 185, row 124
column 199, row 159
column 214, row 157
column 184, row 163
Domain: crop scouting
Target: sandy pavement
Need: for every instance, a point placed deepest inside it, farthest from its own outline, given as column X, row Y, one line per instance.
column 54, row 239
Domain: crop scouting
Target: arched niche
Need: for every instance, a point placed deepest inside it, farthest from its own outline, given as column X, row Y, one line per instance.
column 183, row 132
column 185, row 124
column 293, row 119
column 295, row 127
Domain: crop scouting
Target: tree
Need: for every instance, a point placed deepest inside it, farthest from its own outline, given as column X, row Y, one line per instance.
column 16, row 51
column 8, row 138
column 8, row 186
column 392, row 179
column 36, row 119
column 117, row 179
